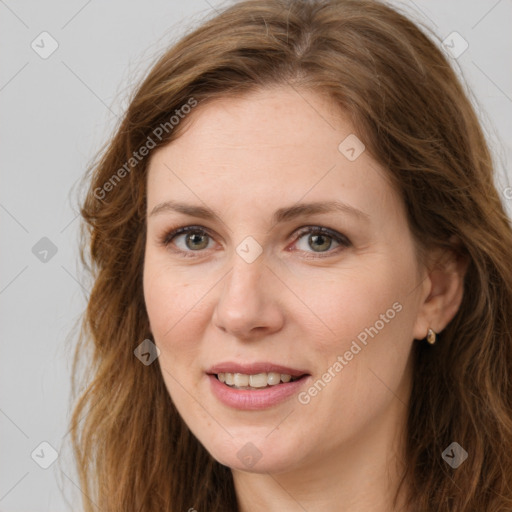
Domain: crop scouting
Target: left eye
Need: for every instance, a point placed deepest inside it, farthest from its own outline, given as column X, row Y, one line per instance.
column 321, row 239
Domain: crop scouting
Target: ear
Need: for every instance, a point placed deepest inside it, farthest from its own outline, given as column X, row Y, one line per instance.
column 443, row 289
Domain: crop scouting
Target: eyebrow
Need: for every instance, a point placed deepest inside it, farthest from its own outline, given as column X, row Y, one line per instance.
column 281, row 215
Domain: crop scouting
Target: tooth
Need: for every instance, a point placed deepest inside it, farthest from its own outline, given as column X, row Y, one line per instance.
column 273, row 378
column 240, row 380
column 258, row 381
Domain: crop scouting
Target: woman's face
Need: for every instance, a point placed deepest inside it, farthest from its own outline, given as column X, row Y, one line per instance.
column 256, row 288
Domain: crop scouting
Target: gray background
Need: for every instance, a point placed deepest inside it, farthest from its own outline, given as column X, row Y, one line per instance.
column 56, row 113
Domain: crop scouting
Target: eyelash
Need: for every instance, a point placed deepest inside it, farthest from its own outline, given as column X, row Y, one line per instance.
column 167, row 238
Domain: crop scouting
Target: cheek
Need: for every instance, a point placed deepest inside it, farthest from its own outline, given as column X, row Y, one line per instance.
column 341, row 306
column 175, row 309
column 169, row 294
column 367, row 315
column 371, row 315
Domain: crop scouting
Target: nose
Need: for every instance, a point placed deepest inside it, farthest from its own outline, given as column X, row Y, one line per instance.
column 248, row 306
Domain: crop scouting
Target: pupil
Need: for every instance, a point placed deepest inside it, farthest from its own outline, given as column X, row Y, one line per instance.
column 320, row 238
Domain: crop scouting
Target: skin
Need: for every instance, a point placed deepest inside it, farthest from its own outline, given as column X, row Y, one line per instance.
column 299, row 304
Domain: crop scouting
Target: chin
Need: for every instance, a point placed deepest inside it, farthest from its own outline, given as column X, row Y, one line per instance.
column 257, row 456
column 262, row 466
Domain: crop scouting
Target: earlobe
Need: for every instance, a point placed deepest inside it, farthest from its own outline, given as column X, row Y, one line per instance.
column 444, row 289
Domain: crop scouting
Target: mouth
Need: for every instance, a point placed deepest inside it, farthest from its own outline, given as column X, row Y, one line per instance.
column 256, row 381
column 255, row 376
column 255, row 386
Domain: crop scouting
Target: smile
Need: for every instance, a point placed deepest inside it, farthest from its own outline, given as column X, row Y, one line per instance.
column 255, row 386
column 254, row 381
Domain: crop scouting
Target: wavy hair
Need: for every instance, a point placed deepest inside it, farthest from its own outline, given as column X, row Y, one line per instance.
column 131, row 447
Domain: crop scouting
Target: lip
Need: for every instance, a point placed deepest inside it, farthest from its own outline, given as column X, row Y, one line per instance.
column 257, row 399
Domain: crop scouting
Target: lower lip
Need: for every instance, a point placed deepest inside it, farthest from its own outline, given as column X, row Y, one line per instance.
column 249, row 400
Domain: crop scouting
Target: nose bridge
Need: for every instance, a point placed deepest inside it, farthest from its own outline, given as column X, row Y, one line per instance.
column 248, row 266
column 245, row 280
column 247, row 301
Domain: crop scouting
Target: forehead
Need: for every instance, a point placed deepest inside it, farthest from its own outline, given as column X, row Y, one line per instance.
column 272, row 146
column 274, row 117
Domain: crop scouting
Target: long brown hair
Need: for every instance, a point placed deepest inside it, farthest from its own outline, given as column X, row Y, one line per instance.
column 132, row 449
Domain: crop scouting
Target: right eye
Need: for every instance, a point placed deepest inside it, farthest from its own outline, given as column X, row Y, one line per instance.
column 188, row 239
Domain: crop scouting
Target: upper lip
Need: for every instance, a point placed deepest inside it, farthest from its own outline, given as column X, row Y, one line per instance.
column 254, row 368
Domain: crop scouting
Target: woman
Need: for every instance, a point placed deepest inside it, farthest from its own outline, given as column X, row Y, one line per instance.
column 303, row 296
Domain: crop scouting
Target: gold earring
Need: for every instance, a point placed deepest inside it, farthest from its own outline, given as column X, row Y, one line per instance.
column 431, row 336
